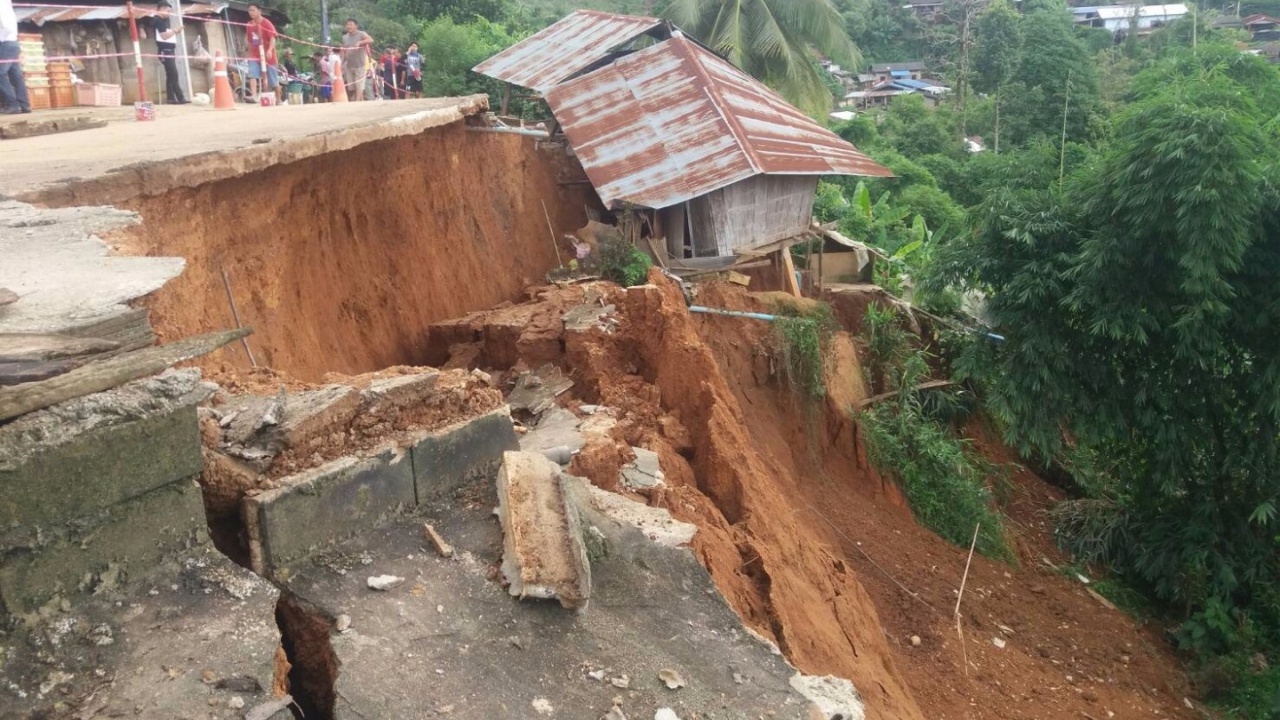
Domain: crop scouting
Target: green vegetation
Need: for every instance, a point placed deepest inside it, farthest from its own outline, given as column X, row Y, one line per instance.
column 803, row 337
column 622, row 262
column 773, row 40
column 1138, row 297
column 945, row 481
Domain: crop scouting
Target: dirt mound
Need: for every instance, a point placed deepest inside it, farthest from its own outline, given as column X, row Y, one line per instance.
column 818, row 552
column 340, row 261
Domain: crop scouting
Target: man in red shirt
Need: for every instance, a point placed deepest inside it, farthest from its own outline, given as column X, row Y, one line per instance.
column 261, row 37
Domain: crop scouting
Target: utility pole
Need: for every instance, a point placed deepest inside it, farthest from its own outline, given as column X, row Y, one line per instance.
column 184, row 53
column 1062, row 153
column 324, row 20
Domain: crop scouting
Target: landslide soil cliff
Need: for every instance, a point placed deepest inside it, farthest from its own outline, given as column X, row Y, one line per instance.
column 339, row 262
column 805, row 540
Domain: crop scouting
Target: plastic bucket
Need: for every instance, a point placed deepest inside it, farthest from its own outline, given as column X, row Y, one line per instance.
column 144, row 111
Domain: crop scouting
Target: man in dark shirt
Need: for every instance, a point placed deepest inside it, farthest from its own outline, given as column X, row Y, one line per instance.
column 167, row 48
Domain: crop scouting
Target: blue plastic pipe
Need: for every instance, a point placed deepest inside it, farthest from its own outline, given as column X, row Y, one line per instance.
column 732, row 313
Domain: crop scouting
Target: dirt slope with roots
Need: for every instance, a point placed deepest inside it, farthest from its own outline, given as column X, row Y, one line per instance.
column 341, row 261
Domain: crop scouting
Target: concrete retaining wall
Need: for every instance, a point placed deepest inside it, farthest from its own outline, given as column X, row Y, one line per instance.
column 105, row 550
column 350, row 495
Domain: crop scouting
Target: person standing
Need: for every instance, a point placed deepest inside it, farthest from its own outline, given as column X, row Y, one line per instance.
column 261, row 36
column 388, row 67
column 13, row 87
column 413, row 71
column 356, row 50
column 320, row 70
column 290, row 73
column 167, row 48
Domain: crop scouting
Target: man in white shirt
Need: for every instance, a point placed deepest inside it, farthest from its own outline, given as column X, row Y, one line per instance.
column 13, row 88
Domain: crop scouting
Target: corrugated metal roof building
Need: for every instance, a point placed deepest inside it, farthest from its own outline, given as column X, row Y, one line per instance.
column 99, row 39
column 725, row 163
column 564, row 49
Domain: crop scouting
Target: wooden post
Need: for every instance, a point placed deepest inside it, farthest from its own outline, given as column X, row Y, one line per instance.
column 822, row 248
column 506, row 99
column 808, row 264
column 789, row 269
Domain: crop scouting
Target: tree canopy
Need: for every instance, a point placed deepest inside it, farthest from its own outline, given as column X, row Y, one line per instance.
column 773, row 40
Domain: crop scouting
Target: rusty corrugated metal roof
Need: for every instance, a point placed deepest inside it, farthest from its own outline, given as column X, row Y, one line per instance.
column 673, row 121
column 41, row 15
column 565, row 48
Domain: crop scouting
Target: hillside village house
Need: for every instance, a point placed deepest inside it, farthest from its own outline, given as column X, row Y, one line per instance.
column 717, row 162
column 1122, row 18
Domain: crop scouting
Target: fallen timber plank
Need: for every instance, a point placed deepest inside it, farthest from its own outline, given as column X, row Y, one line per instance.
column 22, row 347
column 25, row 371
column 931, row 385
column 109, row 373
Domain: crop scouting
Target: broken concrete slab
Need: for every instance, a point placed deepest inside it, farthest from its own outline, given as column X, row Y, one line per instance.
column 556, row 429
column 87, row 454
column 588, row 316
column 445, row 459
column 159, row 650
column 256, row 428
column 543, row 551
column 67, row 279
column 126, row 542
column 832, row 697
column 419, row 649
column 643, row 473
column 401, row 391
column 307, row 511
column 536, row 391
column 657, row 524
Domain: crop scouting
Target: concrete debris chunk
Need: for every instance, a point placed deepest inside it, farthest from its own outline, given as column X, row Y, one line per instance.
column 277, row 709
column 542, row 706
column 384, row 582
column 402, row 391
column 543, row 552
column 671, row 678
column 666, row 714
column 622, row 682
column 587, row 316
column 537, row 390
column 615, row 713
column 645, row 473
column 834, row 696
column 656, row 523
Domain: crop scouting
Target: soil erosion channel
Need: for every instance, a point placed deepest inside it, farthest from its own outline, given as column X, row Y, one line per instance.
column 349, row 262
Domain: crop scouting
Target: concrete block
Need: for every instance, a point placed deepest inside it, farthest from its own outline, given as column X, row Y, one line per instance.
column 288, row 419
column 444, row 459
column 543, row 551
column 88, row 454
column 401, row 391
column 126, row 542
column 341, row 498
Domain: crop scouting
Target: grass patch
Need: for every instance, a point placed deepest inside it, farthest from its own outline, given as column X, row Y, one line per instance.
column 803, row 337
column 943, row 479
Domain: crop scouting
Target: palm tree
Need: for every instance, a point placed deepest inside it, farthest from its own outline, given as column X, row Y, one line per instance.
column 774, row 40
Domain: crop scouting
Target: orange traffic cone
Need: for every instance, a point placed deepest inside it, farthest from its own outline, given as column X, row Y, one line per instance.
column 339, row 87
column 223, row 97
